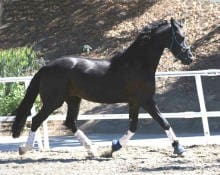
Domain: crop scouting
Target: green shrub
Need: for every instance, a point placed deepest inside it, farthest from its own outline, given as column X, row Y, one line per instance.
column 18, row 62
column 9, row 103
column 15, row 62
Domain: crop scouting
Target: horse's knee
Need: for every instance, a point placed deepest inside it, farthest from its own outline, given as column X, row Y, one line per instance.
column 35, row 124
column 156, row 115
column 164, row 124
column 41, row 116
column 68, row 124
column 71, row 126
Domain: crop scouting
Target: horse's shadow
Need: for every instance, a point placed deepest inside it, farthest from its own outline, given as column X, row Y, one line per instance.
column 181, row 167
column 41, row 160
column 169, row 167
column 21, row 160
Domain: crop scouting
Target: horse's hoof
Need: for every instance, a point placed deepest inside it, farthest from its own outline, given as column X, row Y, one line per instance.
column 116, row 145
column 92, row 151
column 178, row 148
column 107, row 154
column 91, row 154
column 23, row 149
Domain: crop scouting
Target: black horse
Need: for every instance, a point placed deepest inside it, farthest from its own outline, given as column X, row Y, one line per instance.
column 128, row 77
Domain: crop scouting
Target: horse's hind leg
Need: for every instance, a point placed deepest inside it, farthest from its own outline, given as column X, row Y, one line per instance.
column 153, row 110
column 72, row 114
column 47, row 108
column 73, row 104
column 133, row 119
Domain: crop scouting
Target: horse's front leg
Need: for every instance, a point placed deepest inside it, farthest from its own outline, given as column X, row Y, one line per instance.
column 133, row 118
column 153, row 110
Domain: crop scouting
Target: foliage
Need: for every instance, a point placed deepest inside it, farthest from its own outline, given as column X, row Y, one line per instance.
column 86, row 48
column 18, row 62
column 15, row 62
column 9, row 103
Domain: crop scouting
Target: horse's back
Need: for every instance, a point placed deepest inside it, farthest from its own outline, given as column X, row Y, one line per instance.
column 86, row 78
column 94, row 80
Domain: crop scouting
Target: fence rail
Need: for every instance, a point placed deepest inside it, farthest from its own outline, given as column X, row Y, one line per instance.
column 203, row 114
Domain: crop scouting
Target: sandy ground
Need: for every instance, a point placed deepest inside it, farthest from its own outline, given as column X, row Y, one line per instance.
column 130, row 160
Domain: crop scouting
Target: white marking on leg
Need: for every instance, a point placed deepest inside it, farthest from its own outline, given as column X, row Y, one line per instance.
column 171, row 135
column 31, row 138
column 124, row 139
column 86, row 142
column 28, row 145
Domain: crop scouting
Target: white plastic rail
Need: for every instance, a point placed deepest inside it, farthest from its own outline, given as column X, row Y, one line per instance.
column 203, row 114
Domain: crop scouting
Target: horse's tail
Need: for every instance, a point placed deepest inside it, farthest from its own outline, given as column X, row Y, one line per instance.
column 25, row 106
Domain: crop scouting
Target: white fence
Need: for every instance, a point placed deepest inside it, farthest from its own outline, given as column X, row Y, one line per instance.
column 203, row 114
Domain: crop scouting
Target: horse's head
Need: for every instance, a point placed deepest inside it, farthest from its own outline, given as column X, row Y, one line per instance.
column 178, row 45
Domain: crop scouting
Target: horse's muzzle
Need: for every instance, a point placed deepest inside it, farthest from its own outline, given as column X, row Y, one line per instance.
column 188, row 58
column 187, row 61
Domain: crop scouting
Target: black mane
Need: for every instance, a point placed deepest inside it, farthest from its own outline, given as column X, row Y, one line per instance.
column 145, row 35
column 149, row 30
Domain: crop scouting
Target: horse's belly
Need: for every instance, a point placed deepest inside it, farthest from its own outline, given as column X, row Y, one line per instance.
column 99, row 93
column 103, row 97
column 108, row 100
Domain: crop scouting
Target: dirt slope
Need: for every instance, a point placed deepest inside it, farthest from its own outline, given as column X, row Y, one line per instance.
column 57, row 28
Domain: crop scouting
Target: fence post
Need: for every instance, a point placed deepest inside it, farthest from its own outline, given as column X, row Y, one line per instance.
column 46, row 137
column 202, row 107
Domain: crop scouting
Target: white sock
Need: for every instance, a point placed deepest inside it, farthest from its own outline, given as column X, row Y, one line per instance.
column 171, row 135
column 83, row 139
column 124, row 139
column 31, row 138
column 86, row 142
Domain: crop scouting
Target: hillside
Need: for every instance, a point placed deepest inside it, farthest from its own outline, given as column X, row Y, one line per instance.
column 57, row 28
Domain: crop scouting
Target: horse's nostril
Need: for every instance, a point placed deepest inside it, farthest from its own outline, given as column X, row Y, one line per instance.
column 189, row 61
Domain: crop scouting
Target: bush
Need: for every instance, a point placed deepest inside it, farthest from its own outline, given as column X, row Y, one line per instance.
column 9, row 103
column 15, row 62
column 18, row 62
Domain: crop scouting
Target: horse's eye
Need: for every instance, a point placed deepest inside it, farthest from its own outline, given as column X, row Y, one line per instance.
column 183, row 49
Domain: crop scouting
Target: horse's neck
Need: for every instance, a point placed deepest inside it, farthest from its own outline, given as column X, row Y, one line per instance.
column 148, row 57
column 155, row 56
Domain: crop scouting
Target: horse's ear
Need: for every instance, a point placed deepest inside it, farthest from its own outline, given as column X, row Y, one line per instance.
column 181, row 22
column 172, row 21
column 174, row 24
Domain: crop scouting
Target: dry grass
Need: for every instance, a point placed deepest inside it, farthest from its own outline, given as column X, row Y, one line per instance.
column 201, row 26
column 62, row 28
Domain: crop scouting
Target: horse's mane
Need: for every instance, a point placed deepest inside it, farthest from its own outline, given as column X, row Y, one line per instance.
column 149, row 30
column 146, row 34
